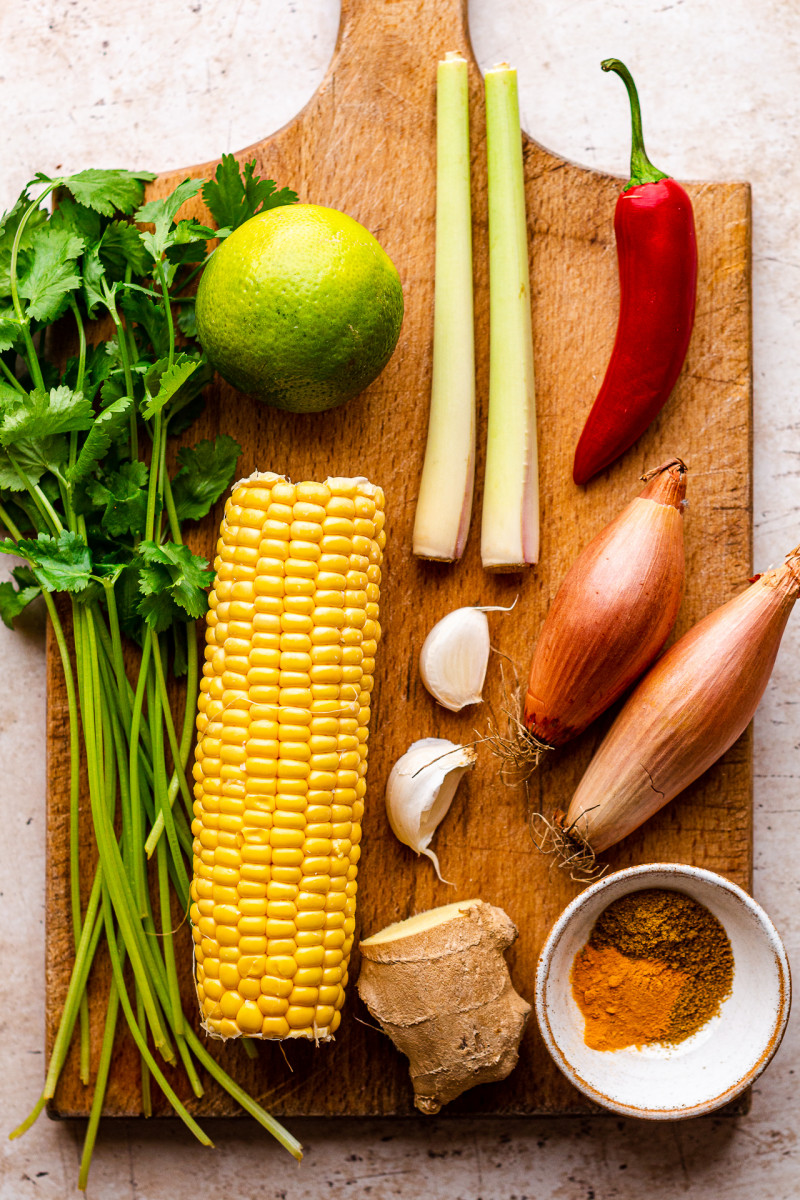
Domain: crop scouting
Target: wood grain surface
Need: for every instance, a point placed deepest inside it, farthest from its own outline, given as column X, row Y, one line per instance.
column 365, row 144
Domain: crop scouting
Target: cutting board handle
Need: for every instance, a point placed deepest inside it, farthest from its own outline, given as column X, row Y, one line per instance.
column 420, row 30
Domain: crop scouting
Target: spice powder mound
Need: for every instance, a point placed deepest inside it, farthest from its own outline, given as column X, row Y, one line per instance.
column 656, row 968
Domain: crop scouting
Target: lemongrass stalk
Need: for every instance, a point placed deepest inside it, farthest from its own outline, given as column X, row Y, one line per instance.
column 444, row 505
column 510, row 520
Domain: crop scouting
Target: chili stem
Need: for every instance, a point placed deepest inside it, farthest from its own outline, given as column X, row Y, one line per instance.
column 642, row 170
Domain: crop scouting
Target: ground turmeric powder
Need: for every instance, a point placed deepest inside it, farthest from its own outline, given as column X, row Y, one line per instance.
column 626, row 1001
column 656, row 968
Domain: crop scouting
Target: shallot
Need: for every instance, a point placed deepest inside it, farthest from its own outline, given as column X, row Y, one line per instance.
column 686, row 712
column 612, row 614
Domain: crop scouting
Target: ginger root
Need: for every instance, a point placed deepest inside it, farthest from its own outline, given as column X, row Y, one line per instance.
column 439, row 985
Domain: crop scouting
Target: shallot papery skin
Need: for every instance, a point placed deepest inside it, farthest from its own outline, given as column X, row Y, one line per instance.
column 612, row 614
column 686, row 712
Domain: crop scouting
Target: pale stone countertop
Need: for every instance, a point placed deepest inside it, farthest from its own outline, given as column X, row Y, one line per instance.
column 157, row 84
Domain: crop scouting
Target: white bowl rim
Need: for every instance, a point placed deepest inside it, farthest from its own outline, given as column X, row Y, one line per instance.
column 642, row 871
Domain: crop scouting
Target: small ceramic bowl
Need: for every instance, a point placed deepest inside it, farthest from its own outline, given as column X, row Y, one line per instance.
column 666, row 1083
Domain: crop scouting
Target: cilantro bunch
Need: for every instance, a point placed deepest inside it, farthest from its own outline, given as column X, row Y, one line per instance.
column 87, row 501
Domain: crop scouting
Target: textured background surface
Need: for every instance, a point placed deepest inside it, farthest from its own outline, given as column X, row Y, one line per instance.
column 93, row 83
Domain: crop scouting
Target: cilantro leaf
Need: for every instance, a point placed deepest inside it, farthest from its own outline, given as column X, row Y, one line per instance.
column 234, row 195
column 172, row 578
column 98, row 365
column 105, row 427
column 128, row 597
column 22, row 512
column 34, row 456
column 124, row 496
column 162, row 213
column 180, row 662
column 93, row 278
column 52, row 272
column 82, row 221
column 170, row 382
column 25, row 576
column 9, row 223
column 62, row 564
column 206, row 472
column 41, row 415
column 10, row 328
column 121, row 246
column 187, row 321
column 150, row 316
column 106, row 191
column 9, row 396
column 14, row 599
column 183, row 415
column 188, row 243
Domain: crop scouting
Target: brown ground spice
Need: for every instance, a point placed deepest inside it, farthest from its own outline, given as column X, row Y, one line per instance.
column 658, row 926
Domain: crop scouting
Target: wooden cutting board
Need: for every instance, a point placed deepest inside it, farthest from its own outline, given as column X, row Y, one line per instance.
column 365, row 143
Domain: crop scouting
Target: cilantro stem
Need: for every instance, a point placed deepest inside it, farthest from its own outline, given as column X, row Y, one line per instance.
column 190, row 705
column 124, row 354
column 33, row 361
column 141, row 1042
column 162, row 278
column 241, row 1097
column 137, row 830
column 152, row 482
column 114, row 873
column 32, row 207
column 144, row 1077
column 9, row 524
column 81, row 343
column 116, row 648
column 124, row 688
column 190, row 708
column 74, row 814
column 44, row 506
column 11, row 377
column 172, row 514
column 74, row 793
column 196, row 271
column 90, row 937
column 173, row 745
column 117, row 741
column 168, row 945
column 131, row 851
column 155, row 714
column 100, row 1085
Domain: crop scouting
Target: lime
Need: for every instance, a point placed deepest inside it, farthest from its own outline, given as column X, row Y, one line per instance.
column 301, row 307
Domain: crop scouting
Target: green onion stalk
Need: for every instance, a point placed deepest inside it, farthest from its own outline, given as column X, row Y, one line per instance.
column 121, row 724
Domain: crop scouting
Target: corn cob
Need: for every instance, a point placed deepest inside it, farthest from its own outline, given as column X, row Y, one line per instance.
column 281, row 754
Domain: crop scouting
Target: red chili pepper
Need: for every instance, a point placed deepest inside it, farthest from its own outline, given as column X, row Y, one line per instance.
column 657, row 255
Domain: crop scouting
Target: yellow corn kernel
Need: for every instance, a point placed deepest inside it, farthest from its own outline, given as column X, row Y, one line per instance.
column 281, row 753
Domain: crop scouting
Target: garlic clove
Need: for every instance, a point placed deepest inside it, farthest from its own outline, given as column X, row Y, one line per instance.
column 421, row 788
column 454, row 658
